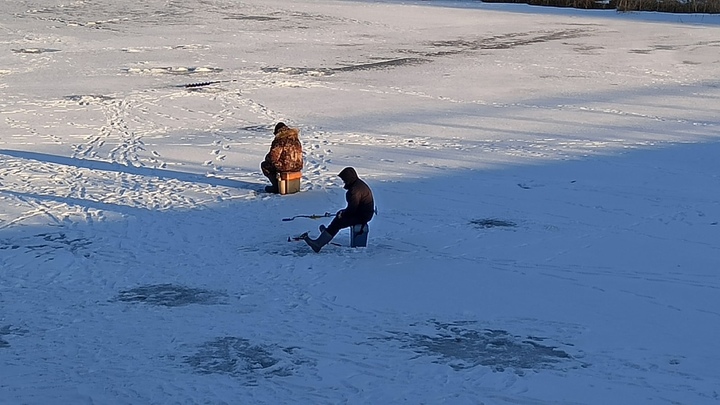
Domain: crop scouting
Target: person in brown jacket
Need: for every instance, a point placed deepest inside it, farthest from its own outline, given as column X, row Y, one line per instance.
column 285, row 155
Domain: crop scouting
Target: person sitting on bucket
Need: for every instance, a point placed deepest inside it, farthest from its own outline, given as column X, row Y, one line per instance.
column 285, row 155
column 360, row 209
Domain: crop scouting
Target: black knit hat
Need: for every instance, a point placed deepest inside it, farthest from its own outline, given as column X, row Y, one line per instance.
column 278, row 127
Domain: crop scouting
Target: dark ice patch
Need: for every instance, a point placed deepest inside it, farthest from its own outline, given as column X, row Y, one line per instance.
column 505, row 41
column 486, row 223
column 8, row 330
column 258, row 128
column 382, row 65
column 170, row 295
column 461, row 347
column 241, row 358
column 245, row 17
column 385, row 64
column 35, row 50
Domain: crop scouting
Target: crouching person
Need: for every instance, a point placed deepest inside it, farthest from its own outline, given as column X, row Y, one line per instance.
column 360, row 209
column 285, row 155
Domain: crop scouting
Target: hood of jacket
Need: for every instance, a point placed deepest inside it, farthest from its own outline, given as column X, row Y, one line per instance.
column 348, row 176
column 287, row 132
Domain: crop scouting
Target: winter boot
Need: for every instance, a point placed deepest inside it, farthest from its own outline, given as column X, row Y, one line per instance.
column 273, row 189
column 322, row 240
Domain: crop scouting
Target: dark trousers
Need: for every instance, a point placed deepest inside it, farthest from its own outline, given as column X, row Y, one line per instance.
column 339, row 223
column 269, row 172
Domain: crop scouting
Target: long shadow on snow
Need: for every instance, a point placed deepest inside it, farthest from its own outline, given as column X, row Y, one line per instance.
column 139, row 171
column 461, row 197
column 469, row 211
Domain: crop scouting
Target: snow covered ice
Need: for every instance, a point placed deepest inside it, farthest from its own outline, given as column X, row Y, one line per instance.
column 546, row 181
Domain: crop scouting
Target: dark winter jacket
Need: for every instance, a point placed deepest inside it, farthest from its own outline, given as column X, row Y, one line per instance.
column 286, row 151
column 359, row 197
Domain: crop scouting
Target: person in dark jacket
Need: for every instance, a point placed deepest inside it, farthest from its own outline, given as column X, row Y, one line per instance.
column 360, row 209
column 285, row 155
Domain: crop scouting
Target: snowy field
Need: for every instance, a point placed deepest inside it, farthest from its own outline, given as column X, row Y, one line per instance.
column 547, row 183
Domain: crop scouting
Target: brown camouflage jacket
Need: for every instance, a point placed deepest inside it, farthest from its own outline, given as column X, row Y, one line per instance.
column 286, row 151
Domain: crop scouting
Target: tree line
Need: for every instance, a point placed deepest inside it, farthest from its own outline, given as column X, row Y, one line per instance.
column 666, row 6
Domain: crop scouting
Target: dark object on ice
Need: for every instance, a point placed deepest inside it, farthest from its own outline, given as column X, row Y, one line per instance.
column 464, row 345
column 486, row 223
column 243, row 359
column 201, row 84
column 169, row 295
